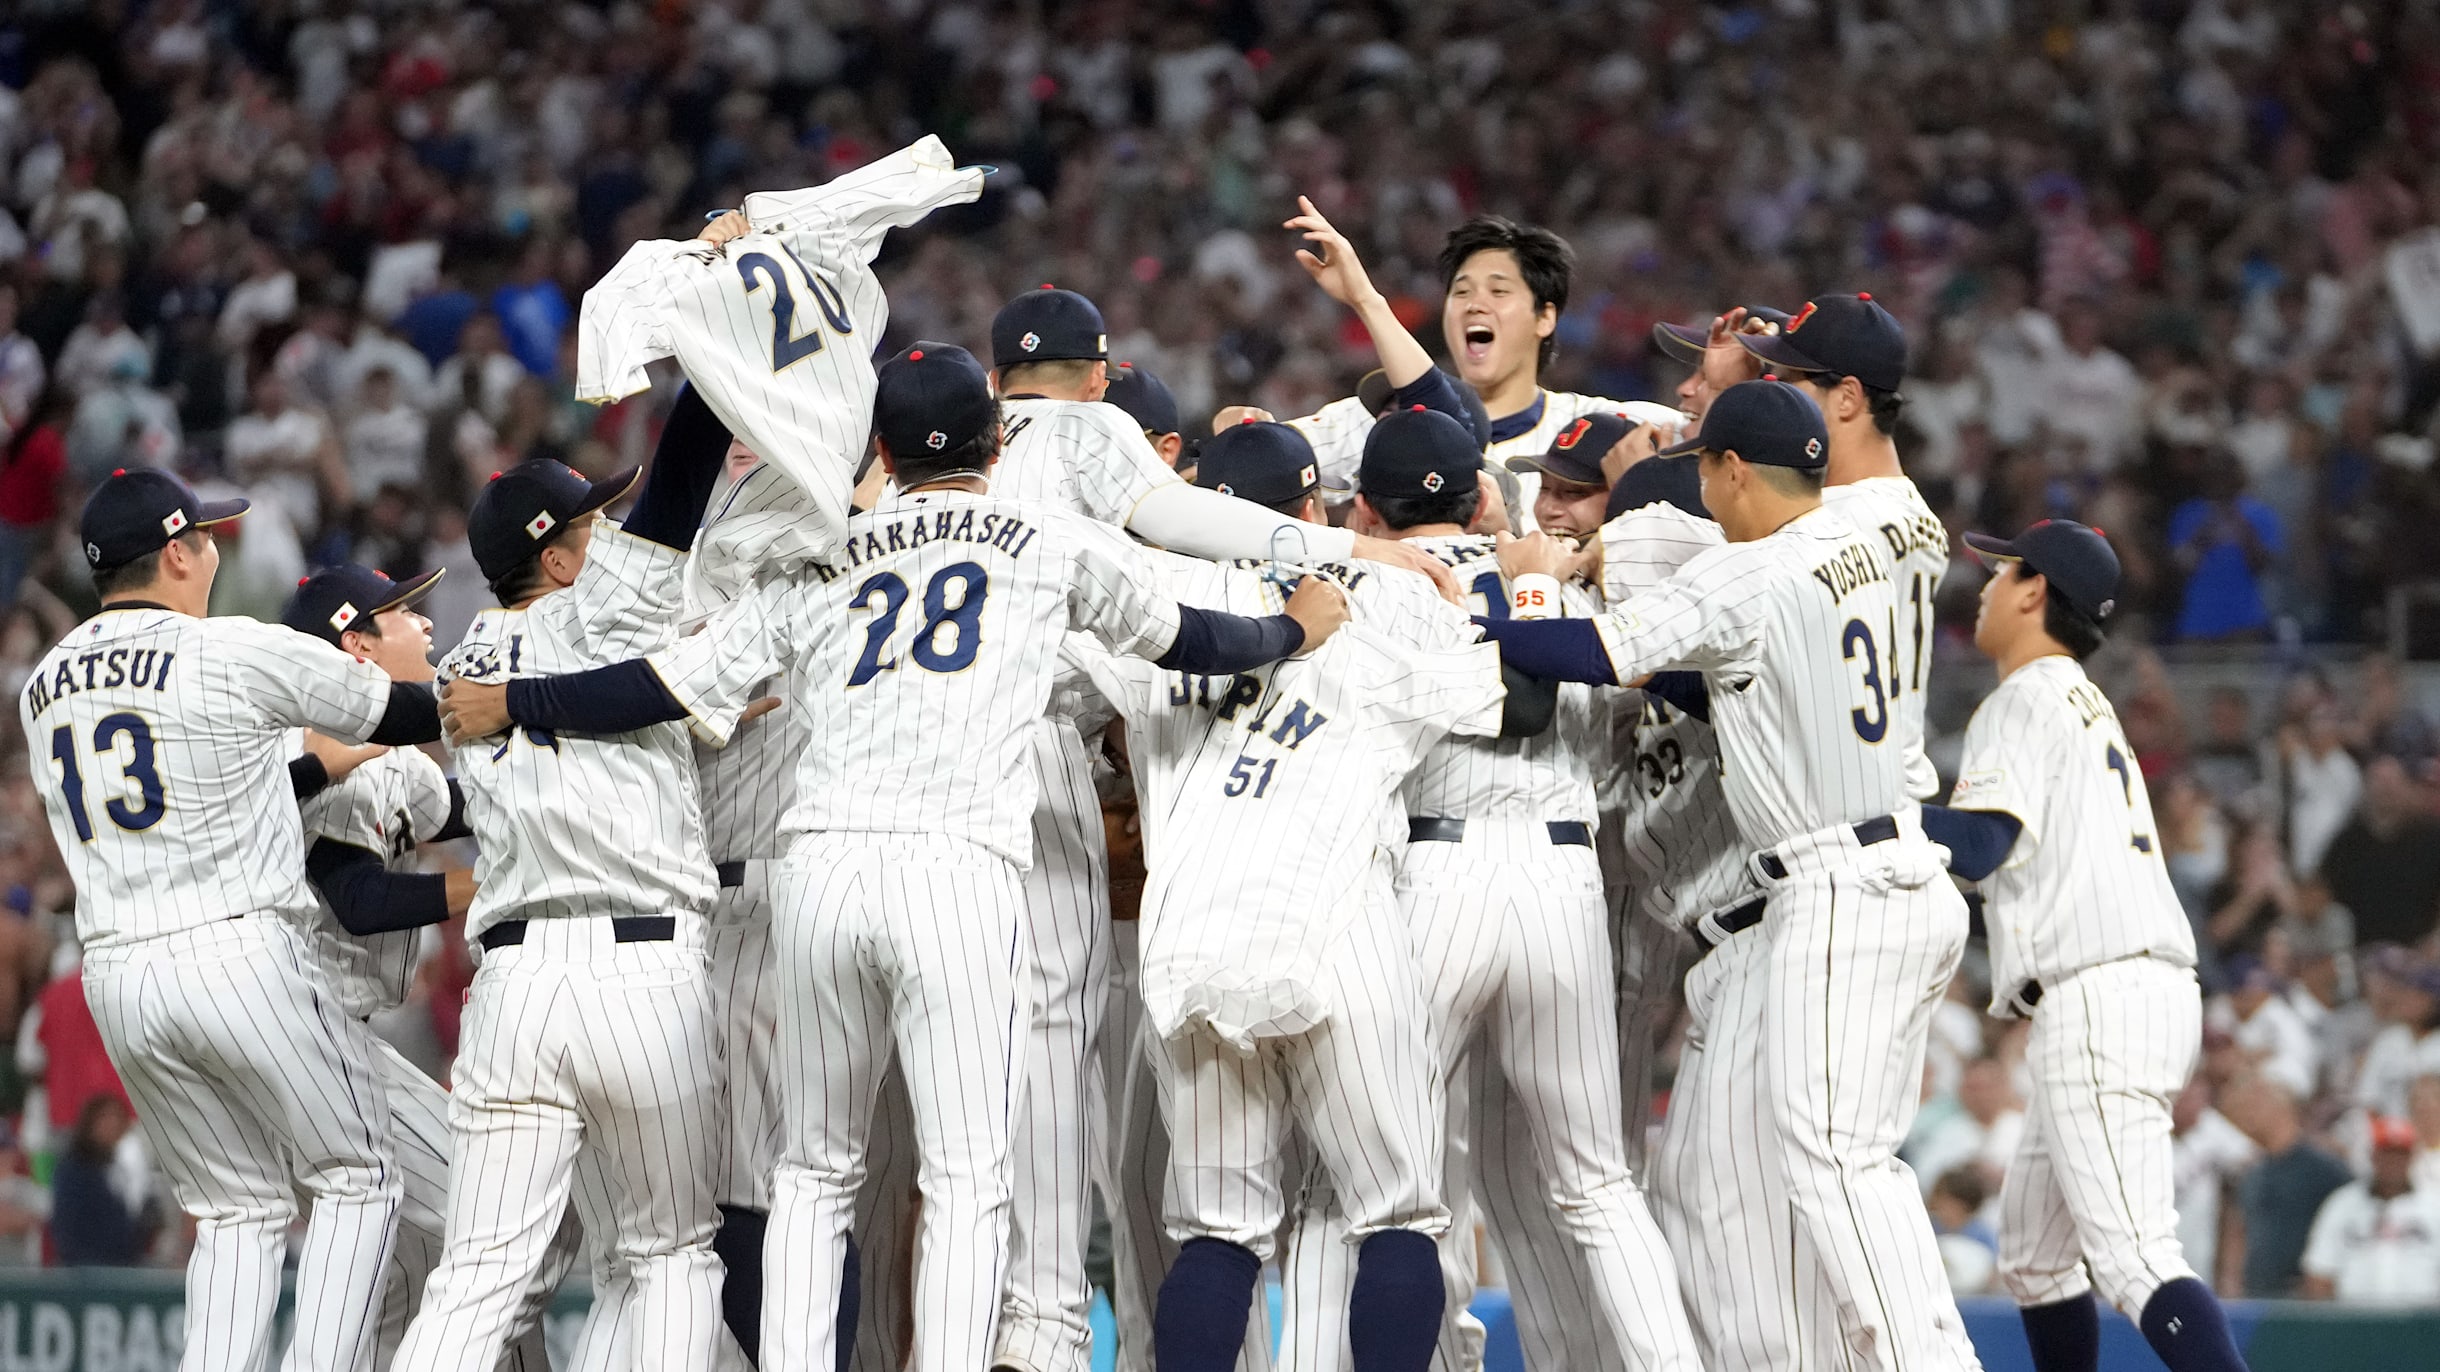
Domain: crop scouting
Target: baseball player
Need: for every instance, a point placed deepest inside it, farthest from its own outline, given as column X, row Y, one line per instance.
column 1786, row 624
column 898, row 918
column 368, row 932
column 1271, row 1016
column 161, row 746
column 1506, row 285
column 1500, row 890
column 1146, row 399
column 589, row 1037
column 2087, row 941
column 1050, row 360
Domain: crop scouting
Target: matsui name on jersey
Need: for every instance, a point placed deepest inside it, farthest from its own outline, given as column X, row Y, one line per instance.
column 115, row 669
column 1246, row 689
column 1854, row 566
column 904, row 533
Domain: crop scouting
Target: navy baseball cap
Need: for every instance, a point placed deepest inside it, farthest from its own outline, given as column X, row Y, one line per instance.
column 139, row 510
column 1850, row 335
column 1263, row 461
column 1418, row 452
column 1144, row 397
column 337, row 599
column 1660, row 481
column 1766, row 421
column 1575, row 455
column 1685, row 342
column 1048, row 325
column 934, row 397
column 522, row 510
column 2076, row 559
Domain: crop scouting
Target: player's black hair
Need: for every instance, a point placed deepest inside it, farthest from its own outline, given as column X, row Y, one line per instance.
column 1795, row 481
column 1885, row 407
column 519, row 581
column 1018, row 377
column 1543, row 258
column 1414, row 511
column 129, row 576
column 973, row 456
column 2079, row 633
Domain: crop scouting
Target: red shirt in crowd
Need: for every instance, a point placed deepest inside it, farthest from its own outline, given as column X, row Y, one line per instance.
column 29, row 484
column 77, row 1068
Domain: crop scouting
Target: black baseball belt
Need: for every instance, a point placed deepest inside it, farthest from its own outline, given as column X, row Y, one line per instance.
column 625, row 929
column 1878, row 829
column 1564, row 833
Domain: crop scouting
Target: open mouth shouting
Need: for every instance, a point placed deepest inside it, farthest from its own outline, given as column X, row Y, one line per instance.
column 1478, row 340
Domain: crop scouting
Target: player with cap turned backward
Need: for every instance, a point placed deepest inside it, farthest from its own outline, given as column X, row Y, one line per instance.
column 2089, row 942
column 160, row 744
column 1500, row 891
column 897, row 916
column 1281, row 995
column 368, row 934
column 589, row 1042
column 1050, row 353
column 1786, row 624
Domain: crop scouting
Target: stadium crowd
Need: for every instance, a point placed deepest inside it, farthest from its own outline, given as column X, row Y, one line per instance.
column 2169, row 266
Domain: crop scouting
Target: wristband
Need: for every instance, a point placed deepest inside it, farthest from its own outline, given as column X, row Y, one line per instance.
column 1534, row 596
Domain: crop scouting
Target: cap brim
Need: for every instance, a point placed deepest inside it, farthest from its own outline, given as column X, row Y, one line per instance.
column 1990, row 549
column 212, row 512
column 412, row 589
column 609, row 490
column 1682, row 447
column 1776, row 350
column 1543, row 464
column 1680, row 341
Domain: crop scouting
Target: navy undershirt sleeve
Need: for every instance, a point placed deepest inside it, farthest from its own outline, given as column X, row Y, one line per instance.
column 1434, row 391
column 685, row 470
column 456, row 827
column 617, row 699
column 367, row 897
column 1552, row 649
column 1531, row 704
column 307, row 777
column 1685, row 690
column 1978, row 840
column 414, row 716
column 1210, row 642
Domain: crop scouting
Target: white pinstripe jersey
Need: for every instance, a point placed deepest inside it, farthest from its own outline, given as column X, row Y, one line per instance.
column 2084, row 883
column 385, row 806
column 1267, row 797
column 1917, row 543
column 777, row 327
column 160, row 745
column 583, row 824
column 1788, row 632
column 1083, row 456
column 1337, row 432
column 1546, row 777
column 1677, row 833
column 747, row 786
column 930, row 645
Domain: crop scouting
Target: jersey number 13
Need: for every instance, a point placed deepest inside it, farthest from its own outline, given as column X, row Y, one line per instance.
column 137, row 769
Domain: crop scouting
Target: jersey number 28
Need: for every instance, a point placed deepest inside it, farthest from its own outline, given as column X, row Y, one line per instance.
column 950, row 634
column 138, row 768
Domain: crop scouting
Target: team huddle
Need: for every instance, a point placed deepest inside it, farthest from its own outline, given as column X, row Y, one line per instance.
column 1463, row 721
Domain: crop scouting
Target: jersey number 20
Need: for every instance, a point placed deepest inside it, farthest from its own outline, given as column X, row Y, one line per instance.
column 138, row 768
column 960, row 624
column 788, row 347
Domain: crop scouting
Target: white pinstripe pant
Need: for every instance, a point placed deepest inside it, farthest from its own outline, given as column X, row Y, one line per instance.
column 911, row 941
column 251, row 1083
column 745, row 989
column 419, row 1127
column 1361, row 1086
column 574, row 1043
column 1856, row 968
column 2091, row 1187
column 1512, row 941
column 887, row 1206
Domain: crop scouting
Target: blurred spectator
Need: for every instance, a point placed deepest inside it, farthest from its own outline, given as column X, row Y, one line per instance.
column 2225, row 541
column 2275, row 1040
column 93, row 1223
column 284, row 455
column 2323, row 784
column 2253, row 897
column 2228, row 764
column 25, row 1208
column 1982, row 1132
column 266, row 296
column 385, row 441
column 122, row 422
column 102, row 349
column 2423, row 1112
column 1969, row 1249
column 2405, row 999
column 21, row 368
column 2207, row 1155
column 75, row 1067
column 481, row 375
column 533, row 311
column 2377, row 1242
column 2384, row 866
column 2388, row 723
column 32, row 472
column 2279, row 1195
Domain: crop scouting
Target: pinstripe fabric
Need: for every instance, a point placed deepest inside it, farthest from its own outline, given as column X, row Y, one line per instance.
column 777, row 328
column 385, row 806
column 252, row 1085
column 1890, row 510
column 2089, row 1200
column 170, row 733
column 916, row 941
column 745, row 988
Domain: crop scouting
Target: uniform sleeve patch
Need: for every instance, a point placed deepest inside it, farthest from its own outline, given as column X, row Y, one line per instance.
column 1974, row 784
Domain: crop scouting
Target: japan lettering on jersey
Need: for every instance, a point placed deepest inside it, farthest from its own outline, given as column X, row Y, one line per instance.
column 386, row 806
column 1917, row 542
column 931, row 642
column 2084, row 884
column 1787, row 631
column 777, row 327
column 160, row 744
column 1546, row 777
column 583, row 824
column 1338, row 429
column 1676, row 833
column 1266, row 798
